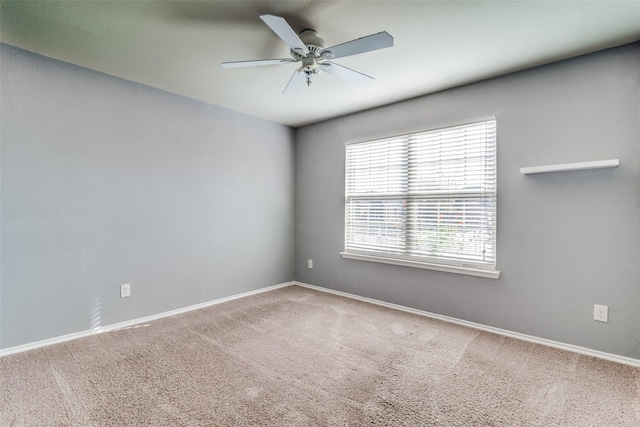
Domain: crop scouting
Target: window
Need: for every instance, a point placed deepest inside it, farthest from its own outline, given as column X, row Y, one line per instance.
column 426, row 199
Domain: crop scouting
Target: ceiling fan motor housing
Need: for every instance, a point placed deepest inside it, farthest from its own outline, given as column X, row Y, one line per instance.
column 312, row 40
column 315, row 44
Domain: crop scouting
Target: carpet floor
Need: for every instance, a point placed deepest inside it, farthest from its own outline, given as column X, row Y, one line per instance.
column 299, row 357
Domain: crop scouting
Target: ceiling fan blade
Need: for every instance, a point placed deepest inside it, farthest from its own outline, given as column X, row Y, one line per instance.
column 285, row 32
column 364, row 44
column 256, row 63
column 295, row 82
column 346, row 73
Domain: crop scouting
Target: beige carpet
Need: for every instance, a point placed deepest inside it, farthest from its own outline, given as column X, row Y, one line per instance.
column 297, row 357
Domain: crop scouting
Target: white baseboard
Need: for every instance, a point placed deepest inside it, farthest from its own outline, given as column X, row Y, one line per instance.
column 128, row 323
column 550, row 343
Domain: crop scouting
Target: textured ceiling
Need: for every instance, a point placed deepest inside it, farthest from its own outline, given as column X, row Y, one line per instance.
column 178, row 46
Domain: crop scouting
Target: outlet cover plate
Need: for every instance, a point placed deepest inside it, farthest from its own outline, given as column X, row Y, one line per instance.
column 600, row 313
column 125, row 290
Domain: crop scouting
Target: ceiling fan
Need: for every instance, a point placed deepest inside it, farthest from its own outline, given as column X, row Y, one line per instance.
column 309, row 50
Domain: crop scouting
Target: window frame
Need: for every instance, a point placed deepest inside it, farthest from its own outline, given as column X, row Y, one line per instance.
column 404, row 258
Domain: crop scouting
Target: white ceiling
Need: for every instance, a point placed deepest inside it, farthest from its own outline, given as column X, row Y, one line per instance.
column 178, row 46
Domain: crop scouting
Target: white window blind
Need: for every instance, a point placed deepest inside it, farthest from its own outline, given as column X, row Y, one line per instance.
column 428, row 196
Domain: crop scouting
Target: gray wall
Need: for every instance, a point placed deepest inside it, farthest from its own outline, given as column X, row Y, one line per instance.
column 105, row 181
column 565, row 240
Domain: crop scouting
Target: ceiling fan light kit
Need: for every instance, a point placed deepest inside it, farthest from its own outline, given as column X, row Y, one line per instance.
column 308, row 49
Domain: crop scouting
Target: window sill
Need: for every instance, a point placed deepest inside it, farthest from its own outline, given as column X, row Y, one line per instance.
column 489, row 274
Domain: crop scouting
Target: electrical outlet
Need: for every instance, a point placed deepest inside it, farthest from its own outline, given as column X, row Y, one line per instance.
column 125, row 290
column 600, row 313
column 309, row 263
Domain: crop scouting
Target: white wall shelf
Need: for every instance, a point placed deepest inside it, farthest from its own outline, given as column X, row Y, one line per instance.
column 598, row 164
